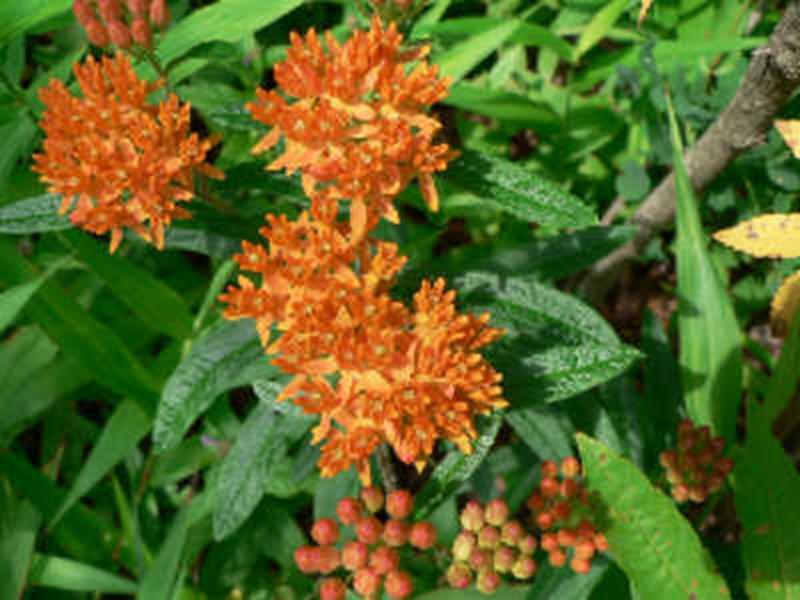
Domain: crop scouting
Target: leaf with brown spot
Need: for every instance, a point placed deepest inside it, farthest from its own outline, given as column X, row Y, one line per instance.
column 773, row 236
column 790, row 132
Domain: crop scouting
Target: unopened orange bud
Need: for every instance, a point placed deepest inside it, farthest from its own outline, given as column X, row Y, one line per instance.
column 463, row 545
column 549, row 487
column 369, row 530
column 570, row 467
column 585, row 549
column 600, row 542
column 488, row 537
column 545, row 520
column 332, row 588
column 395, row 533
column 96, row 33
column 549, row 469
column 119, row 34
column 366, row 582
column 159, row 13
column 680, row 493
column 528, row 544
column 536, row 503
column 141, row 33
column 349, row 510
column 524, row 568
column 110, row 10
column 383, row 559
column 138, row 8
column 504, row 559
column 488, row 581
column 372, row 498
column 330, row 559
column 512, row 533
column 567, row 537
column 354, row 555
column 685, row 427
column 398, row 584
column 496, row 512
column 697, row 493
column 557, row 558
column 569, row 488
column 472, row 516
column 480, row 559
column 399, row 504
column 422, row 535
column 459, row 576
column 307, row 559
column 84, row 12
column 325, row 532
column 561, row 511
column 550, row 542
column 581, row 565
column 724, row 466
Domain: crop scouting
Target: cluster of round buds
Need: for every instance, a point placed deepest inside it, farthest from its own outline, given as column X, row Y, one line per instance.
column 490, row 545
column 123, row 23
column 562, row 510
column 372, row 560
column 696, row 468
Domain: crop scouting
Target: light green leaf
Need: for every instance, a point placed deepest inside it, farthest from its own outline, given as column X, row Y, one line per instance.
column 33, row 215
column 505, row 106
column 19, row 522
column 556, row 583
column 160, row 578
column 66, row 574
column 228, row 355
column 599, row 26
column 504, row 592
column 518, row 191
column 648, row 537
column 18, row 17
column 459, row 60
column 125, row 428
column 767, row 496
column 710, row 340
column 13, row 300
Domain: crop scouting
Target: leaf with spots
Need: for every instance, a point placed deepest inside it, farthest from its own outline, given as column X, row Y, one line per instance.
column 767, row 494
column 648, row 538
column 771, row 236
column 790, row 132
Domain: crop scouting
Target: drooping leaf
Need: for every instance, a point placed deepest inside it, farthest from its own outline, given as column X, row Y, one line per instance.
column 772, row 236
column 711, row 355
column 517, row 191
column 13, row 300
column 33, row 215
column 767, row 494
column 70, row 575
column 790, row 132
column 228, row 355
column 599, row 26
column 649, row 538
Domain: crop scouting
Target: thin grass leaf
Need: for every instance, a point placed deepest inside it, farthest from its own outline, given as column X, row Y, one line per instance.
column 19, row 524
column 459, row 60
column 160, row 578
column 70, row 575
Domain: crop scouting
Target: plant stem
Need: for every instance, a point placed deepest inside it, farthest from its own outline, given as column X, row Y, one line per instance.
column 386, row 466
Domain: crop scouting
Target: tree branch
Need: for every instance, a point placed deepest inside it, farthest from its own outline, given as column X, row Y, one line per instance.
column 772, row 77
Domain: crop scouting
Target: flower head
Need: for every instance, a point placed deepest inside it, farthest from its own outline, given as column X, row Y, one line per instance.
column 356, row 128
column 122, row 161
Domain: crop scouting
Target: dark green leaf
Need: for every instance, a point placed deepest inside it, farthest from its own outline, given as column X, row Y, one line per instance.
column 545, row 430
column 19, row 522
column 554, row 583
column 160, row 578
column 33, row 215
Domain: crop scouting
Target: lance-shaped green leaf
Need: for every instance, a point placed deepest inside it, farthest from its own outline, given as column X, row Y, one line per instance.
column 33, row 215
column 160, row 578
column 228, row 355
column 70, row 575
column 555, row 346
column 13, row 300
column 19, row 523
column 648, row 537
column 546, row 431
column 767, row 496
column 459, row 60
column 17, row 18
column 711, row 354
column 518, row 191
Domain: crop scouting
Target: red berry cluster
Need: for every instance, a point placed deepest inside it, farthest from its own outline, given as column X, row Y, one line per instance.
column 562, row 509
column 122, row 23
column 372, row 558
column 490, row 545
column 696, row 468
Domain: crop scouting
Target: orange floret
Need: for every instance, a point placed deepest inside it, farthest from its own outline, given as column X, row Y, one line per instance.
column 357, row 128
column 121, row 161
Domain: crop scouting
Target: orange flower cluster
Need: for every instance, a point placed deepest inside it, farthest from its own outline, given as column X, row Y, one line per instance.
column 373, row 369
column 357, row 129
column 122, row 161
column 112, row 22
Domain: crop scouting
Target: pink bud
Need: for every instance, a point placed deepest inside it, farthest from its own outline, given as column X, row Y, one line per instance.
column 459, row 576
column 83, row 12
column 354, row 555
column 332, row 589
column 398, row 584
column 96, row 33
column 141, row 32
column 423, row 535
column 325, row 532
column 372, row 498
column 119, row 34
column 349, row 510
column 110, row 10
column 159, row 13
column 399, row 504
column 138, row 8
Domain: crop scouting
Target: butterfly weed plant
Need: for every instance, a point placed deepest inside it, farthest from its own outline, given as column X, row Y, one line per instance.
column 287, row 305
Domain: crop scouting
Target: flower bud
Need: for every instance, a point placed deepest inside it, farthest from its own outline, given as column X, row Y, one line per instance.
column 569, row 488
column 110, row 10
column 549, row 469
column 472, row 516
column 383, row 559
column 488, row 581
column 570, row 467
column 459, row 576
column 399, row 504
column 524, row 568
column 549, row 487
column 557, row 558
column 536, row 503
column 325, row 532
column 561, row 511
column 463, row 545
column 550, row 542
column 372, row 498
column 423, row 535
column 159, row 13
column 119, row 34
column 307, row 559
column 545, row 520
column 527, row 545
column 680, row 493
column 581, row 565
column 511, row 533
column 332, row 588
column 369, row 530
column 480, row 559
column 488, row 537
column 366, row 582
column 504, row 559
column 354, row 555
column 395, row 533
column 668, row 459
column 96, row 33
column 585, row 549
column 141, row 33
column 349, row 510
column 566, row 537
column 330, row 559
column 496, row 512
column 600, row 542
column 398, row 584
column 137, row 8
column 84, row 13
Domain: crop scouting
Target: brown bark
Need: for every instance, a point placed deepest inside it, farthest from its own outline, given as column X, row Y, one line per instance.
column 771, row 78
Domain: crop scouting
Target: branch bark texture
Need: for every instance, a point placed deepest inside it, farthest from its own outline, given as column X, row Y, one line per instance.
column 771, row 78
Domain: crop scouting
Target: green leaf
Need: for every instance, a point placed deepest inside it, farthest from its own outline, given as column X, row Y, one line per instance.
column 599, row 26
column 648, row 537
column 332, row 489
column 555, row 346
column 459, row 60
column 783, row 381
column 767, row 494
column 19, row 524
column 506, row 106
column 33, row 215
column 201, row 241
column 157, row 304
column 456, row 467
column 551, row 582
column 13, row 300
column 160, row 578
column 517, row 191
column 710, row 340
column 505, row 592
column 66, row 574
column 225, row 21
column 17, row 18
column 258, row 449
column 228, row 355
column 546, row 431
column 124, row 430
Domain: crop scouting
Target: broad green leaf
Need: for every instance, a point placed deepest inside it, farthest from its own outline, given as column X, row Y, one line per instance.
column 783, row 381
column 505, row 106
column 456, row 467
column 599, row 26
column 65, row 574
column 228, row 355
column 19, row 523
column 459, row 60
column 123, row 431
column 94, row 345
column 18, row 17
column 767, row 494
column 201, row 241
column 648, row 537
column 710, row 340
column 551, row 582
column 332, row 489
column 33, row 215
column 546, row 431
column 188, row 457
column 504, row 592
column 160, row 578
column 157, row 304
column 259, row 447
column 13, row 300
column 516, row 190
column 225, row 20
column 555, row 346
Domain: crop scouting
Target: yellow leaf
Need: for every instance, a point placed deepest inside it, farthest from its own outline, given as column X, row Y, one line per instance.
column 646, row 4
column 784, row 304
column 790, row 132
column 773, row 236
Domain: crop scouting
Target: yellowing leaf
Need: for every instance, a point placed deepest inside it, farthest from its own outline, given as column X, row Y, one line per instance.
column 784, row 304
column 646, row 4
column 790, row 132
column 773, row 236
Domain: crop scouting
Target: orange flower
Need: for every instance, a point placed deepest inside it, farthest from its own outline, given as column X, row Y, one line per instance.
column 123, row 162
column 358, row 129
